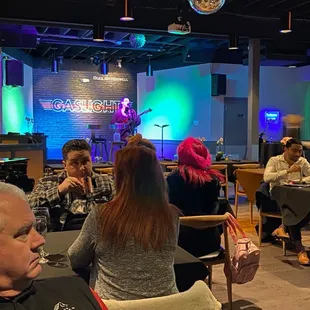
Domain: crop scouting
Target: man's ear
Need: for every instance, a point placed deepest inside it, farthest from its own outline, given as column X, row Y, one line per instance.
column 64, row 164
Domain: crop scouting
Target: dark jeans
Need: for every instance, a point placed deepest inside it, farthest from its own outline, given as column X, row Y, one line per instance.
column 295, row 231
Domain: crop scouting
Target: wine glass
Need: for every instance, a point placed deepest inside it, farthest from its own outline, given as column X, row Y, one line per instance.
column 42, row 212
column 41, row 228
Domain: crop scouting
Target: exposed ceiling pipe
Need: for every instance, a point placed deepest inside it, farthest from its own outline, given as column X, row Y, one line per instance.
column 44, row 37
column 80, row 52
column 90, row 43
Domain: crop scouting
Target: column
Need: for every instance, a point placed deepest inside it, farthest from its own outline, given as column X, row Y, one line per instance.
column 253, row 99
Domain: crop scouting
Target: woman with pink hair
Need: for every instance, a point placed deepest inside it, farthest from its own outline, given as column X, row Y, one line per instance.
column 194, row 188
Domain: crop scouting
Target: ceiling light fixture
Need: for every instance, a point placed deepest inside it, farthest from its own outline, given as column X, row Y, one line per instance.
column 233, row 42
column 118, row 63
column 104, row 66
column 98, row 33
column 55, row 63
column 286, row 22
column 55, row 67
column 128, row 15
column 149, row 69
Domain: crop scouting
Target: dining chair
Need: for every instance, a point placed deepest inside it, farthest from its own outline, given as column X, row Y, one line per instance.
column 223, row 168
column 198, row 297
column 222, row 256
column 172, row 167
column 263, row 214
column 239, row 192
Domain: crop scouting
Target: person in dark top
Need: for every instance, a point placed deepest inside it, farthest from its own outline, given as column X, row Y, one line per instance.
column 19, row 264
column 128, row 116
column 194, row 189
column 73, row 193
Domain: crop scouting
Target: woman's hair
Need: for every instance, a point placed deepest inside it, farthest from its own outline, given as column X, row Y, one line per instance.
column 137, row 140
column 140, row 211
column 120, row 105
column 195, row 161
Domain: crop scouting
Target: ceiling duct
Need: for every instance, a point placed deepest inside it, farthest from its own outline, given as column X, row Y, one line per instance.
column 18, row 36
column 208, row 53
column 285, row 51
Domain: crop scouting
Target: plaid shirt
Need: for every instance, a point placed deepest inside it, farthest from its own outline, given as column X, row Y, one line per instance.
column 45, row 194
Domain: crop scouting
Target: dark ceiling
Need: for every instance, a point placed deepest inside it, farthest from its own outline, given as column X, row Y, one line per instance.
column 67, row 26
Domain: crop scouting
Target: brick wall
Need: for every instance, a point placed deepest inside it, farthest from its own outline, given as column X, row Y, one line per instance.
column 89, row 103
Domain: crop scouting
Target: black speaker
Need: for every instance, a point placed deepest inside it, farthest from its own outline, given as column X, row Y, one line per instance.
column 14, row 73
column 218, row 84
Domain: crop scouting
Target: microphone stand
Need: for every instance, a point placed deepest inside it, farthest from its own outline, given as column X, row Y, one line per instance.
column 162, row 140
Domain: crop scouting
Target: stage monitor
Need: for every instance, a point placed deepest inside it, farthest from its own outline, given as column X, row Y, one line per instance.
column 272, row 117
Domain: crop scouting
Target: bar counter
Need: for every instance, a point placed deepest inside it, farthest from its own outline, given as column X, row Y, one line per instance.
column 16, row 146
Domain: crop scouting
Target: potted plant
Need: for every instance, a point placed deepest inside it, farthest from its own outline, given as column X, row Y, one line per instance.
column 219, row 149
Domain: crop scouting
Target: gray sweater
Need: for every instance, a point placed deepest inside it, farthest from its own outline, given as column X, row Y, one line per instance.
column 123, row 273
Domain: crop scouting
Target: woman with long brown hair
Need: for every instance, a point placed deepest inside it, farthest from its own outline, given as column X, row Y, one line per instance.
column 138, row 140
column 130, row 241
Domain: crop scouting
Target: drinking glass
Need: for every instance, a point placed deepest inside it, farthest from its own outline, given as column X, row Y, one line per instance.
column 41, row 228
column 42, row 212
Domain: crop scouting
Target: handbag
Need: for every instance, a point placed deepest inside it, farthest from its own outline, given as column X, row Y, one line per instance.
column 244, row 262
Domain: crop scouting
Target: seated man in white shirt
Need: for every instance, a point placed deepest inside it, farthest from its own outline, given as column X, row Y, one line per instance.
column 282, row 168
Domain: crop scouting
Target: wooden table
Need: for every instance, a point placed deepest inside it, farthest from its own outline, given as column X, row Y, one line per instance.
column 293, row 202
column 95, row 165
column 165, row 163
column 188, row 269
column 230, row 166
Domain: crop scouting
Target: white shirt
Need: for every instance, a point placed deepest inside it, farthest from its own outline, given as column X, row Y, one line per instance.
column 276, row 170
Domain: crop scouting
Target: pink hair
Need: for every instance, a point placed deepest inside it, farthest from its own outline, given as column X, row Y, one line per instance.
column 195, row 161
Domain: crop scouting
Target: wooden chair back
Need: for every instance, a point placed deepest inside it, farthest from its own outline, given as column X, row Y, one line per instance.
column 207, row 221
column 246, row 166
column 172, row 167
column 224, row 169
column 203, row 221
column 108, row 170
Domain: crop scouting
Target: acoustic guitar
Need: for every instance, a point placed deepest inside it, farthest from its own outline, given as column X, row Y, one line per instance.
column 130, row 125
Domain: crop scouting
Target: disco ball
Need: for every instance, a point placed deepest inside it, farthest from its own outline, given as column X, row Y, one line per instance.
column 206, row 7
column 137, row 40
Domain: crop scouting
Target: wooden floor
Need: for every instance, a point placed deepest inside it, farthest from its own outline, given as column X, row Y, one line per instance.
column 280, row 283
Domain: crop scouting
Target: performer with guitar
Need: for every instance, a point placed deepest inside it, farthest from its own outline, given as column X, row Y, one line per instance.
column 127, row 116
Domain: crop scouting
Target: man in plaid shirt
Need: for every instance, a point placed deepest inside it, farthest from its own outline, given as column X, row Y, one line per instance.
column 73, row 193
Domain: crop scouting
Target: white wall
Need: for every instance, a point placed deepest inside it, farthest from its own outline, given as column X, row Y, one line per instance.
column 282, row 89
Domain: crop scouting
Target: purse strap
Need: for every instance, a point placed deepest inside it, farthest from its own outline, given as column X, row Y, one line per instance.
column 234, row 227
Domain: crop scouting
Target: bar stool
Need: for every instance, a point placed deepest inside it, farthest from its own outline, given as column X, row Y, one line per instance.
column 100, row 143
column 114, row 144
